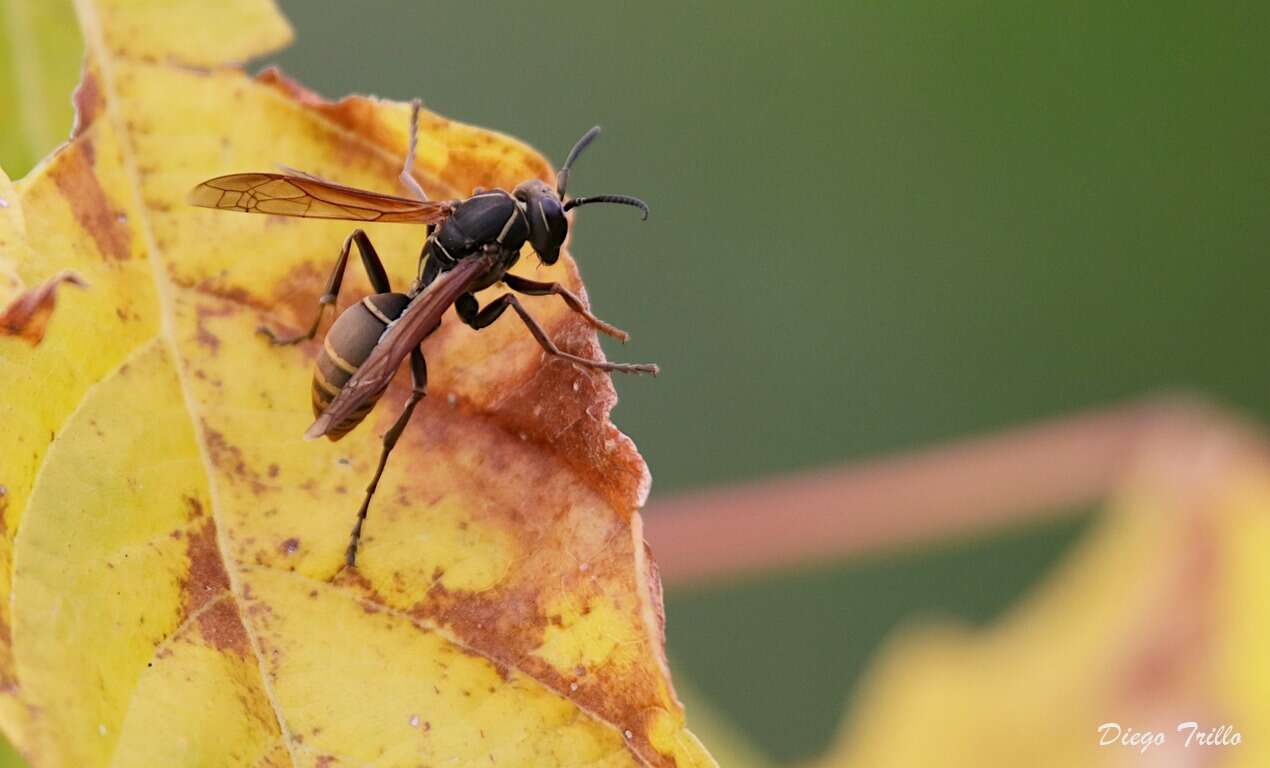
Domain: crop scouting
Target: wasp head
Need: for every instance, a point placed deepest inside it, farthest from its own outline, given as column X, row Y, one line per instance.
column 545, row 207
column 544, row 213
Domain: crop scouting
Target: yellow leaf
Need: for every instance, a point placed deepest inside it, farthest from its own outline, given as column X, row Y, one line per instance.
column 24, row 312
column 173, row 550
column 1159, row 619
column 40, row 52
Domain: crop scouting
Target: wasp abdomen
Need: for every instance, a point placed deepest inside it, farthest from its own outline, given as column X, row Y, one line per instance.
column 347, row 345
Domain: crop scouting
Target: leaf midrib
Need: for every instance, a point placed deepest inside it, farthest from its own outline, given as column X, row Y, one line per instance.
column 95, row 46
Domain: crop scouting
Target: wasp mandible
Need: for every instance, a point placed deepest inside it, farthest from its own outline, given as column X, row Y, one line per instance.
column 471, row 244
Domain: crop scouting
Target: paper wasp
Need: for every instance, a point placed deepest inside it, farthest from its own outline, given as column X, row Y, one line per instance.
column 470, row 246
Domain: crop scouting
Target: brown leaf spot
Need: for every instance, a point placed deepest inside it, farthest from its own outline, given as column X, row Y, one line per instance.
column 205, row 337
column 207, row 578
column 88, row 100
column 512, row 617
column 229, row 458
column 204, row 590
column 222, row 628
column 232, row 293
column 290, row 546
column 73, row 174
column 353, row 578
column 27, row 315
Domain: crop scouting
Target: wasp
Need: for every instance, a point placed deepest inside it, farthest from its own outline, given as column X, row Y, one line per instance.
column 471, row 244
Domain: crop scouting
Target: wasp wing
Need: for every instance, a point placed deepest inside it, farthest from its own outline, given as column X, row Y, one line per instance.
column 299, row 194
column 289, row 171
column 420, row 318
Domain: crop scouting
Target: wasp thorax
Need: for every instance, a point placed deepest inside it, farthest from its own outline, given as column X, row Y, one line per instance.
column 548, row 225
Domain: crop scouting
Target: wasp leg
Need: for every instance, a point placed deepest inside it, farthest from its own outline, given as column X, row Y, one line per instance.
column 419, row 385
column 535, row 288
column 467, row 309
column 374, row 270
column 407, row 171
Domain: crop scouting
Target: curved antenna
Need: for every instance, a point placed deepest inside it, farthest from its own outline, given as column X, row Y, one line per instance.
column 619, row 199
column 562, row 178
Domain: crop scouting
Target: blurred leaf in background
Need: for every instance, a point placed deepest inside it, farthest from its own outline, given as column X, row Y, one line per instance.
column 40, row 56
column 788, row 690
column 1159, row 617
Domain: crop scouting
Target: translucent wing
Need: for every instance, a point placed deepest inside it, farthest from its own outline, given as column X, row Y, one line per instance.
column 299, row 194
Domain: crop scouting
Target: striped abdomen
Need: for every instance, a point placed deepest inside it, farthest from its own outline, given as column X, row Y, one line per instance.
column 347, row 345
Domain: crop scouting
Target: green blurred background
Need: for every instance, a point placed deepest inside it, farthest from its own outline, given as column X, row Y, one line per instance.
column 875, row 227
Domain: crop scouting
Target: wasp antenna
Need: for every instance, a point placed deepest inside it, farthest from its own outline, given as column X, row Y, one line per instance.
column 562, row 178
column 416, row 105
column 618, row 199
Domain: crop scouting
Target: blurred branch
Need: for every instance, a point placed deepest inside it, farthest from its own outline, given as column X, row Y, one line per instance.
column 1020, row 475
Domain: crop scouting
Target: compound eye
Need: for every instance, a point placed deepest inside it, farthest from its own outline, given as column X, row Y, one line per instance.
column 556, row 219
column 551, row 208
